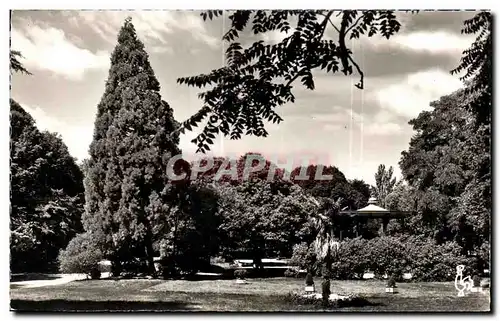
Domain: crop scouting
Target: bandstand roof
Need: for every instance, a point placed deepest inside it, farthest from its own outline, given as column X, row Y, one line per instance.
column 375, row 211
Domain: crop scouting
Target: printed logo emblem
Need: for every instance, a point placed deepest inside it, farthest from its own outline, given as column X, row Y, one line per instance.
column 462, row 284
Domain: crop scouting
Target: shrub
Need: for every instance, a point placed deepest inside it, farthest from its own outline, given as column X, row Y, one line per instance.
column 228, row 273
column 169, row 271
column 80, row 256
column 386, row 255
column 426, row 260
column 309, row 279
column 218, row 259
column 484, row 255
column 240, row 274
column 95, row 274
column 127, row 275
column 314, row 302
column 103, row 267
column 134, row 266
column 391, row 283
column 292, row 273
column 352, row 260
column 429, row 261
column 476, row 280
column 303, row 257
column 116, row 268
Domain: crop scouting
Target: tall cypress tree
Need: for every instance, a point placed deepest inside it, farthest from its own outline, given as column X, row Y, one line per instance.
column 127, row 189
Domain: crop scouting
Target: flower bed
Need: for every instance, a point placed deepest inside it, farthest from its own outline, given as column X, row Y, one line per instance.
column 335, row 300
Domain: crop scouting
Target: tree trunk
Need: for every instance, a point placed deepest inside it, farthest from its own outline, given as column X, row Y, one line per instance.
column 150, row 255
column 385, row 222
column 116, row 267
column 173, row 260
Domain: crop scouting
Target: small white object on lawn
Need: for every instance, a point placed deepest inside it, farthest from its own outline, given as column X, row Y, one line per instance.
column 240, row 281
column 332, row 297
column 368, row 275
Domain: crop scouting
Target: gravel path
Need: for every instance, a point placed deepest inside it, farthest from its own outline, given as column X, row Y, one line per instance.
column 61, row 279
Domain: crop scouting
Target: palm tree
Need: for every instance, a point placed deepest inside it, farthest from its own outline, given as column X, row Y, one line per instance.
column 325, row 245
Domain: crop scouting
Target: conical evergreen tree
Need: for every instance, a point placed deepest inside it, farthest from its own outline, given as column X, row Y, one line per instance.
column 127, row 189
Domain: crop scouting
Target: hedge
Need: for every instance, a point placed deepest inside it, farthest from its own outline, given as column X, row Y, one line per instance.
column 394, row 256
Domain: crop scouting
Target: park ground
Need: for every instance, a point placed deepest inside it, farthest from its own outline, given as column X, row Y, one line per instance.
column 225, row 295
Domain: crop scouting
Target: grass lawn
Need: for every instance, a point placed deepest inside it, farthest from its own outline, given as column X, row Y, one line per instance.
column 225, row 295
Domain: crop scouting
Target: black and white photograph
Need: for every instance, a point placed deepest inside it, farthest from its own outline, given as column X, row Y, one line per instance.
column 253, row 160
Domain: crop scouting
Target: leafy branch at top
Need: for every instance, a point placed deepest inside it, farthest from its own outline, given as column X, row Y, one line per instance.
column 477, row 63
column 15, row 64
column 245, row 92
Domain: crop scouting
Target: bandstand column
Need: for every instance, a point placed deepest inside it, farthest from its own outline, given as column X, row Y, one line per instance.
column 385, row 222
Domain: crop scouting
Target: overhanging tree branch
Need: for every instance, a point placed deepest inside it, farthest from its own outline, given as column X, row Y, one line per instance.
column 355, row 23
column 268, row 83
column 359, row 85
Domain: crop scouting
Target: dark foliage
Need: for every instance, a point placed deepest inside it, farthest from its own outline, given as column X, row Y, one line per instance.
column 81, row 256
column 309, row 279
column 46, row 194
column 476, row 281
column 260, row 221
column 384, row 184
column 391, row 282
column 15, row 64
column 477, row 63
column 240, row 274
column 95, row 274
column 448, row 168
column 291, row 273
column 426, row 260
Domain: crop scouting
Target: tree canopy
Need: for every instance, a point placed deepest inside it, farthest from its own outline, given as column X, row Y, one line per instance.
column 448, row 163
column 447, row 168
column 46, row 194
column 384, row 183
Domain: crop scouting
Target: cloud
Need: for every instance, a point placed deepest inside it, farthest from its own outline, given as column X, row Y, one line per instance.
column 381, row 124
column 451, row 21
column 440, row 42
column 154, row 27
column 413, row 94
column 434, row 41
column 76, row 137
column 332, row 127
column 50, row 49
column 366, row 170
column 150, row 25
column 382, row 129
column 191, row 22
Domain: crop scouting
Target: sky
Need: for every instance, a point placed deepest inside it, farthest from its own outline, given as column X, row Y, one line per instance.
column 355, row 130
